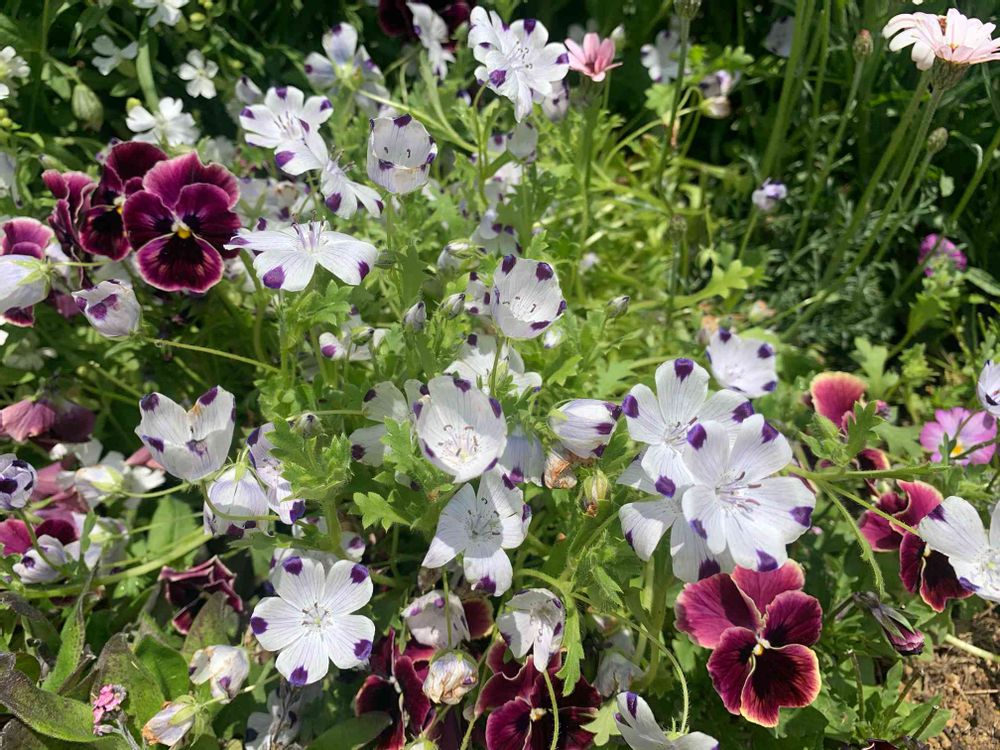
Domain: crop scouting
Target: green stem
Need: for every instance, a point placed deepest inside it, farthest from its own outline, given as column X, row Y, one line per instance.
column 213, row 352
column 555, row 709
column 685, row 32
column 970, row 649
column 144, row 71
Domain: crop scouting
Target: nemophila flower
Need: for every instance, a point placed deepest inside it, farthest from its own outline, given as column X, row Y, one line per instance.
column 903, row 637
column 477, row 356
column 279, row 727
column 189, row 444
column 955, row 529
column 180, row 222
column 34, row 565
column 287, row 258
column 767, row 197
column 355, row 341
column 24, row 274
column 450, row 677
column 660, row 59
column 223, row 667
column 744, row 365
column 935, row 246
column 17, row 480
column 164, row 11
column 345, row 64
column 400, row 152
column 237, row 502
column 382, row 401
column 284, row 116
column 110, row 307
column 779, row 38
column 490, row 233
column 432, row 31
column 427, row 619
column 988, row 388
column 170, row 124
column 199, row 74
column 171, row 723
column 310, row 621
column 760, row 625
column 594, row 59
column 517, row 60
column 734, row 501
column 96, row 477
column 481, row 526
column 521, row 708
column 397, row 19
column 109, row 55
column 268, row 469
column 103, row 231
column 954, row 38
column 189, row 589
column 72, row 193
column 555, row 106
column 461, row 430
column 523, row 459
column 638, row 727
column 526, row 297
column 584, row 425
column 533, row 620
column 963, row 430
column 715, row 89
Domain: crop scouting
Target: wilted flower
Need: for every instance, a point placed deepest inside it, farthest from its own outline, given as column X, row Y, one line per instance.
column 450, row 677
column 108, row 701
column 189, row 444
column 170, row 124
column 964, row 430
column 46, row 420
column 328, row 631
column 640, row 731
column 584, row 425
column 767, row 197
column 109, row 55
column 954, row 39
column 760, row 626
column 526, row 297
column 199, row 74
column 744, row 365
column 533, row 620
column 660, row 59
column 238, row 499
column 955, row 529
column 935, row 246
column 517, row 62
column 480, row 526
column 17, row 480
column 188, row 590
column 223, row 667
column 400, row 152
column 111, row 308
column 594, row 58
column 988, row 388
column 903, row 637
column 779, row 39
column 173, row 721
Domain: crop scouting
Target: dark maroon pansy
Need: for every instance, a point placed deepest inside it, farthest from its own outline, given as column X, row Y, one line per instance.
column 760, row 626
column 72, row 193
column 180, row 222
column 396, row 19
column 189, row 589
column 25, row 236
column 46, row 421
column 102, row 231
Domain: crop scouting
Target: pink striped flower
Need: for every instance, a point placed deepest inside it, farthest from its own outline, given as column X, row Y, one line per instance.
column 594, row 59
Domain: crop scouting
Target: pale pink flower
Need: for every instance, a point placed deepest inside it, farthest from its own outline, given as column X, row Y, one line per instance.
column 953, row 38
column 594, row 59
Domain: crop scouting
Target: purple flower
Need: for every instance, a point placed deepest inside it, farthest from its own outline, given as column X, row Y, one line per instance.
column 72, row 192
column 188, row 590
column 22, row 279
column 963, row 430
column 936, row 246
column 180, row 222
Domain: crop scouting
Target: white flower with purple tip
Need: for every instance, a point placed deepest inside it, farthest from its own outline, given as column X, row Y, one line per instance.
column 286, row 258
column 523, row 141
column 355, row 342
column 477, row 356
column 223, row 667
column 461, row 430
column 17, row 480
column 584, row 425
column 490, row 233
column 988, row 388
column 533, row 620
column 268, row 469
column 744, row 365
column 238, row 503
column 432, row 31
column 400, row 153
column 660, row 59
column 188, row 444
column 735, row 502
column 311, row 621
column 517, row 60
column 523, row 459
column 639, row 729
column 480, row 526
column 285, row 115
column 383, row 401
column 427, row 620
column 955, row 529
column 346, row 63
column 769, row 195
column 110, row 307
column 526, row 297
column 35, row 568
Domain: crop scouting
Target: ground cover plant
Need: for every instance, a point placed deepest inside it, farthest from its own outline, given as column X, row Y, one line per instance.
column 536, row 375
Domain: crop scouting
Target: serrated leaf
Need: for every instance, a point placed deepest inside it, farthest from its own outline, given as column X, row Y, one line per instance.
column 570, row 671
column 859, row 428
column 376, row 510
column 603, row 727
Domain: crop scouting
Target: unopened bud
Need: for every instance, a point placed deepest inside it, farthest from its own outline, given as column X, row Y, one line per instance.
column 385, row 259
column 902, row 636
column 87, row 108
column 937, row 140
column 306, row 424
column 687, row 9
column 618, row 306
column 452, row 307
column 450, row 677
column 595, row 488
column 863, row 45
column 416, row 317
column 362, row 335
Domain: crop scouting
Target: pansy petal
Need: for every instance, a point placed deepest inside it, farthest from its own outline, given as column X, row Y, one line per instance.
column 706, row 609
column 763, row 587
column 785, row 677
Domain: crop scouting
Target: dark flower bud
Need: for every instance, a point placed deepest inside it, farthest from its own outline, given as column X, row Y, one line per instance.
column 907, row 640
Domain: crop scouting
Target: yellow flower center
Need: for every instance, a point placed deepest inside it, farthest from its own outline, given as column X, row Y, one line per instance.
column 958, row 450
column 181, row 230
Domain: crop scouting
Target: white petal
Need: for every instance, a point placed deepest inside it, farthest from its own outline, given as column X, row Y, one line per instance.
column 276, row 623
column 305, row 661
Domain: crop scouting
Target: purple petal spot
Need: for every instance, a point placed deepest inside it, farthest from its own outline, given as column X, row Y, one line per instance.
column 299, row 676
column 628, row 538
column 557, row 603
column 357, row 452
column 402, row 121
column 247, row 113
column 967, row 584
column 765, row 351
column 765, row 562
column 462, row 384
column 28, row 562
column 325, row 105
column 281, row 91
column 743, row 411
column 417, row 407
column 725, row 335
column 424, row 390
column 802, row 515
column 427, row 450
column 155, row 443
column 696, row 436
column 472, row 340
column 562, row 307
column 613, row 409
column 618, row 717
column 363, row 268
column 559, row 626
column 543, row 271
column 208, row 396
column 540, row 325
column 308, row 68
column 770, row 385
column 604, row 428
column 495, row 405
column 698, row 528
column 282, row 158
column 333, row 201
column 708, row 568
column 682, row 368
column 508, row 263
column 768, row 433
column 298, row 510
column 150, row 401
column 261, row 224
column 81, row 303
column 359, row 574
column 525, row 511
column 497, row 77
column 336, row 29
column 328, row 351
column 385, row 165
column 492, row 464
column 632, row 703
column 99, row 311
column 937, row 514
column 258, row 625
column 369, row 396
column 363, row 649
column 630, row 406
column 486, row 584
column 293, row 565
column 665, row 486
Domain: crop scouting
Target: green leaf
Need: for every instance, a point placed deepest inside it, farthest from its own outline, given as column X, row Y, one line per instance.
column 603, row 727
column 171, row 522
column 859, row 428
column 117, row 664
column 355, row 732
column 570, row 672
column 980, row 278
column 47, row 713
column 166, row 665
column 375, row 509
column 71, row 650
column 211, row 626
column 872, row 360
column 32, row 619
column 17, row 735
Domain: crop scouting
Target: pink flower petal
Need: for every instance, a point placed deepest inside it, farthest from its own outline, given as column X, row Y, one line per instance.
column 706, row 609
column 785, row 677
column 763, row 587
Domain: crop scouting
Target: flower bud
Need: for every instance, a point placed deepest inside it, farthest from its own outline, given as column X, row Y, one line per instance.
column 618, row 306
column 306, row 424
column 416, row 317
column 863, row 45
column 584, row 425
column 595, row 488
column 223, row 667
column 17, row 479
column 238, row 499
column 111, row 307
column 937, row 140
column 903, row 637
column 450, row 676
column 87, row 108
column 24, row 281
column 687, row 9
column 361, row 335
column 131, row 103
column 173, row 721
column 452, row 307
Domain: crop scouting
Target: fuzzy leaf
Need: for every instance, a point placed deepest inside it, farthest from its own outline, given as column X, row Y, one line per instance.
column 117, row 664
column 211, row 627
column 352, row 733
column 166, row 665
column 46, row 713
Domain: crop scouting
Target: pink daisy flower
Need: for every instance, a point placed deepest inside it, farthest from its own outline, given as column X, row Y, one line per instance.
column 594, row 58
